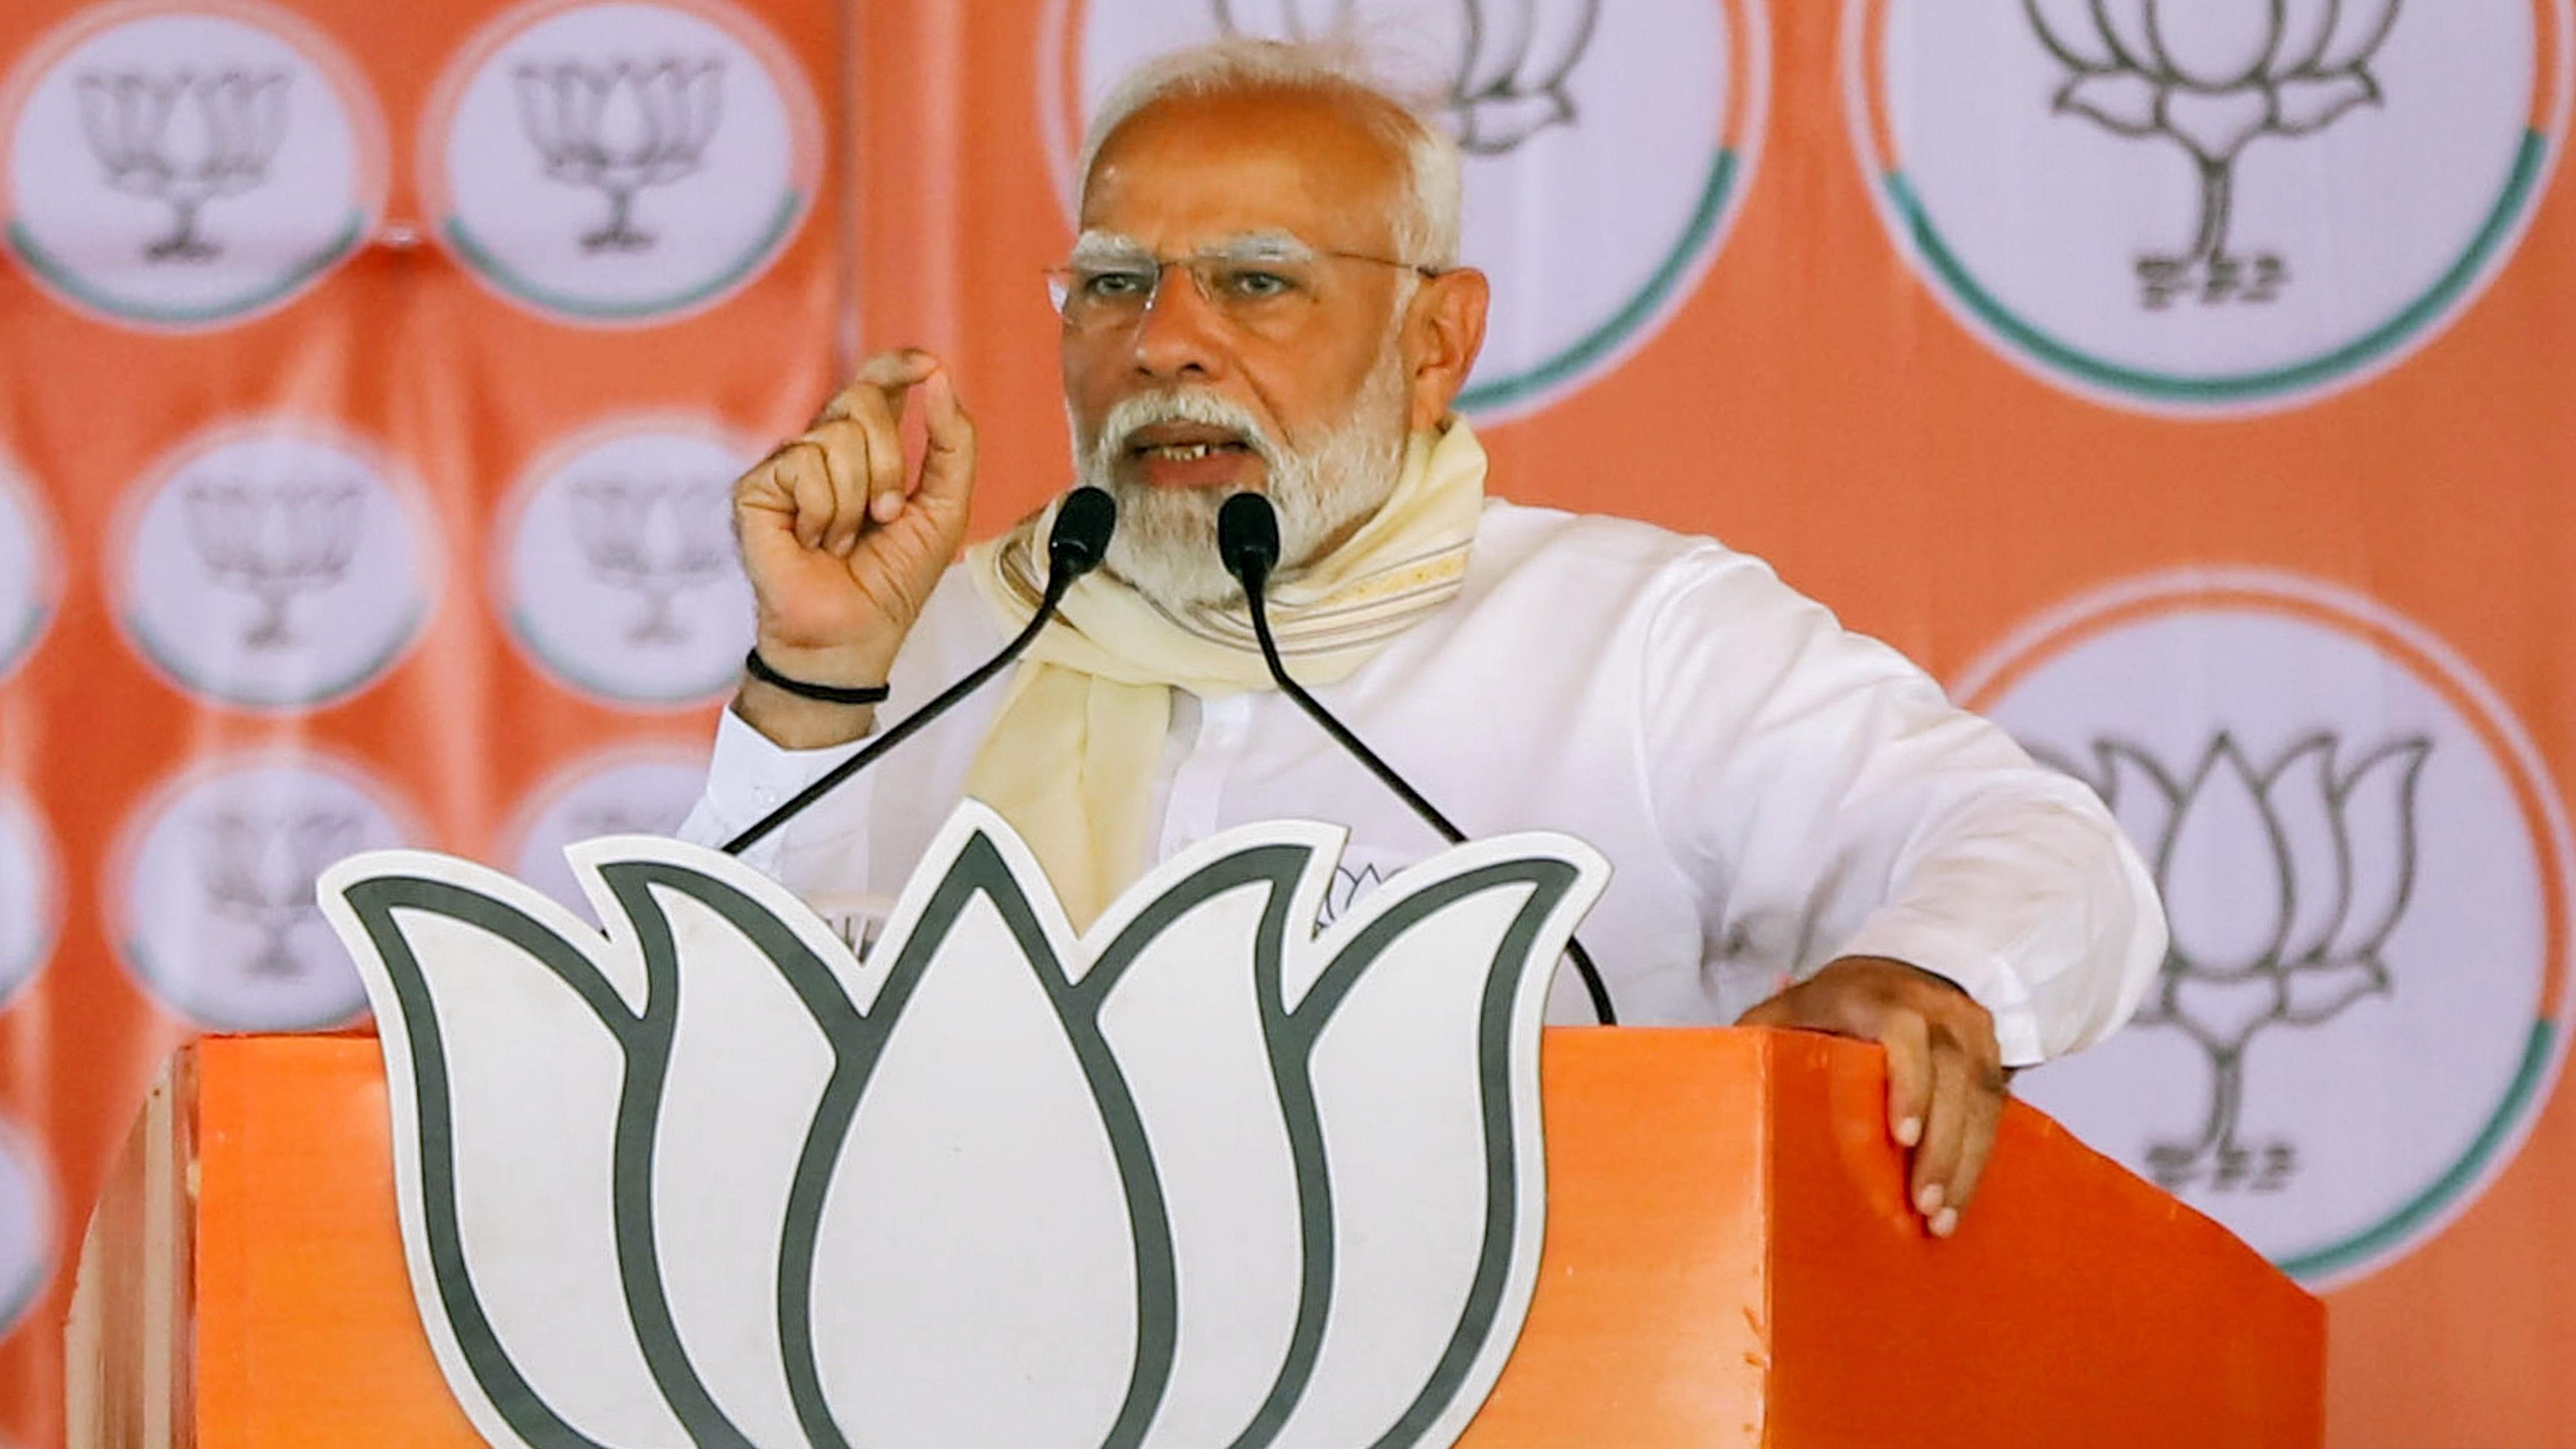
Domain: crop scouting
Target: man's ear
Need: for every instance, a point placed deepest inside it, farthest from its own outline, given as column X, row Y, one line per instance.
column 1444, row 329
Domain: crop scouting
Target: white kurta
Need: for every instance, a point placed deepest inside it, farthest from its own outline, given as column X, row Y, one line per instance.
column 1771, row 790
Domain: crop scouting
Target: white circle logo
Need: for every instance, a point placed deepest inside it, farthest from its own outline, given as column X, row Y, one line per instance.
column 187, row 164
column 1608, row 148
column 634, row 790
column 27, row 1227
column 621, row 163
column 2187, row 207
column 2365, row 867
column 30, row 896
column 29, row 580
column 618, row 561
column 273, row 565
column 216, row 916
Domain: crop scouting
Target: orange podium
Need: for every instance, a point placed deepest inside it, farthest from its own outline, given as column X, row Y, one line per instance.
column 1729, row 1261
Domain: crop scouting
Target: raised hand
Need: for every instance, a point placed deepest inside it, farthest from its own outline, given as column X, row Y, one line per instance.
column 843, row 541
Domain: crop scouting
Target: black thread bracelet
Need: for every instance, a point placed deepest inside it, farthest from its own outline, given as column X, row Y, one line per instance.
column 759, row 669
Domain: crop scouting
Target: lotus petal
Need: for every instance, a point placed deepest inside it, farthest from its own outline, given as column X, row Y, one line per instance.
column 2360, row 28
column 1433, row 1048
column 747, row 1060
column 623, row 126
column 1195, row 1017
column 2215, row 44
column 101, row 118
column 2224, row 873
column 492, row 1016
column 2311, row 105
column 2125, row 101
column 2378, row 817
column 1558, row 32
column 188, row 141
column 702, row 106
column 2306, row 25
column 975, row 1278
column 1496, row 50
column 2068, row 29
column 2123, row 23
column 2314, row 994
column 2217, row 126
column 2142, row 798
column 2297, row 795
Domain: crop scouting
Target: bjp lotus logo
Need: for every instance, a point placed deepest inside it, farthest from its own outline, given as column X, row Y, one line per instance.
column 1196, row 1175
column 2206, row 207
column 620, row 128
column 2282, row 883
column 2213, row 78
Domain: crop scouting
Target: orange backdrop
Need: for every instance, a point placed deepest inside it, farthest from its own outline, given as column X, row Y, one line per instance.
column 1918, row 299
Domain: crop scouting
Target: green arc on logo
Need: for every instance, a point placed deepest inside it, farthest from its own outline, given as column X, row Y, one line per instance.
column 68, row 281
column 2539, row 1049
column 2529, row 161
column 486, row 261
column 1615, row 332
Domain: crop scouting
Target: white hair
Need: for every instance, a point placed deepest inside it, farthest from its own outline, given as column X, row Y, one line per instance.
column 1426, row 224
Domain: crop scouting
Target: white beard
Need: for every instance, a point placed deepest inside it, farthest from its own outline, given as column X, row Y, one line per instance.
column 1165, row 546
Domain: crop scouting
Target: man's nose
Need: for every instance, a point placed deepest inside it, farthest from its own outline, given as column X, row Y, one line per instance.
column 1181, row 333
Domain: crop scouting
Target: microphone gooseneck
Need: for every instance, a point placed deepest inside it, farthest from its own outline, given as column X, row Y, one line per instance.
column 1075, row 546
column 1247, row 540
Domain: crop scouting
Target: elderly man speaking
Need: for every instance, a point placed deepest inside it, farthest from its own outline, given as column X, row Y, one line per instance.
column 1266, row 296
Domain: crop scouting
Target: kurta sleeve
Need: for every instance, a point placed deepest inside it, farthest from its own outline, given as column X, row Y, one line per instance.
column 823, row 849
column 1832, row 802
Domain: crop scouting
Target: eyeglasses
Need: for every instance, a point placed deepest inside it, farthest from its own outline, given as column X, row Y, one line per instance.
column 1263, row 286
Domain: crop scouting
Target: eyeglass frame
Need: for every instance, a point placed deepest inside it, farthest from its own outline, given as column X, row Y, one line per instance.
column 1251, row 248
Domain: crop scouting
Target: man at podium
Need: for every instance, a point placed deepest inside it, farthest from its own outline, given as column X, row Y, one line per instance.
column 1266, row 296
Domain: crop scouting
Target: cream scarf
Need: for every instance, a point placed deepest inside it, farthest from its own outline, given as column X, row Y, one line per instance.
column 1071, row 757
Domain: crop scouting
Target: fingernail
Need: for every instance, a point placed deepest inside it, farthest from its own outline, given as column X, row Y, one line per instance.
column 1909, row 1131
column 1928, row 1201
column 1945, row 1222
column 886, row 506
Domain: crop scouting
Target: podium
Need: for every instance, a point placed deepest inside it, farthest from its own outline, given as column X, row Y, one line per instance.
column 1729, row 1261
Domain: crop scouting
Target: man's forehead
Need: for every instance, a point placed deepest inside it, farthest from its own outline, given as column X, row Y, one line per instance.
column 1187, row 171
column 1273, row 243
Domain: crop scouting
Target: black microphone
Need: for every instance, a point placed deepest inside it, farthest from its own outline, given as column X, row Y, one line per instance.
column 1075, row 546
column 1247, row 540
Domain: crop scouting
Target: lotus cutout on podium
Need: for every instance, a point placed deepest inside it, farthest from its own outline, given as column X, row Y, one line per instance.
column 1199, row 1176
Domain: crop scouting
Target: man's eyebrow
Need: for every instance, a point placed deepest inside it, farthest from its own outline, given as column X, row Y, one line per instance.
column 1265, row 246
column 1106, row 245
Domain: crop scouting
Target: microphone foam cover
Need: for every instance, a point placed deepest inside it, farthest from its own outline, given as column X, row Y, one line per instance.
column 1083, row 523
column 1247, row 534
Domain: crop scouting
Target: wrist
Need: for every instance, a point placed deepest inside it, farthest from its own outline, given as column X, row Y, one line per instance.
column 833, row 666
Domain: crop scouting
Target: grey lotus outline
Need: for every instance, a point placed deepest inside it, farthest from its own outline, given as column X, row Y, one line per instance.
column 614, row 523
column 1508, row 82
column 274, row 542
column 666, row 109
column 2131, row 72
column 239, row 860
column 367, row 898
column 127, row 118
column 2320, row 952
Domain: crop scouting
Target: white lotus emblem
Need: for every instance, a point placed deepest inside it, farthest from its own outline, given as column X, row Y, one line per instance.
column 1193, row 1178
